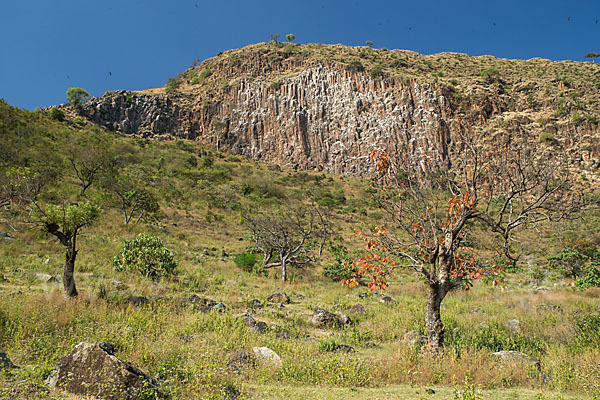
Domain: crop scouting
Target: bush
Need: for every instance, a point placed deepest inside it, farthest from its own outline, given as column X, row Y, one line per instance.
column 342, row 267
column 491, row 75
column 246, row 261
column 547, row 137
column 57, row 114
column 377, row 71
column 591, row 279
column 569, row 262
column 77, row 96
column 145, row 255
column 355, row 66
column 172, row 85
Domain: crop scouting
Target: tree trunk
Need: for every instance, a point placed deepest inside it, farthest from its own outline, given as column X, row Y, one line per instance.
column 68, row 273
column 283, row 269
column 433, row 319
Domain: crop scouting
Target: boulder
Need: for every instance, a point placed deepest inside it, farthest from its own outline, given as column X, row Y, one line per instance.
column 414, row 338
column 513, row 325
column 5, row 362
column 357, row 309
column 280, row 297
column 256, row 303
column 46, row 278
column 323, row 317
column 90, row 370
column 139, row 301
column 516, row 357
column 248, row 321
column 267, row 357
column 385, row 299
column 261, row 327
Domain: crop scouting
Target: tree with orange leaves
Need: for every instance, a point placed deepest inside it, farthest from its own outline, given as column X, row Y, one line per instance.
column 432, row 206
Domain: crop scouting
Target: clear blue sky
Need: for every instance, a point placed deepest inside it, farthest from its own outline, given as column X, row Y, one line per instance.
column 48, row 46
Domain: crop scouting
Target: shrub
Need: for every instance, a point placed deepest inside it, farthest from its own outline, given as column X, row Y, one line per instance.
column 57, row 114
column 276, row 85
column 172, row 85
column 246, row 261
column 355, row 66
column 491, row 75
column 145, row 255
column 342, row 267
column 77, row 96
column 377, row 71
column 591, row 279
column 547, row 137
column 570, row 262
column 290, row 37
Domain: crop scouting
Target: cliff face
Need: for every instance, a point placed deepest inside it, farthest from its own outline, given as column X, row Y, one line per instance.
column 320, row 115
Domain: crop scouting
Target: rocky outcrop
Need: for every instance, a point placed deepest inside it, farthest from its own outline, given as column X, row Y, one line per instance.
column 320, row 115
column 91, row 369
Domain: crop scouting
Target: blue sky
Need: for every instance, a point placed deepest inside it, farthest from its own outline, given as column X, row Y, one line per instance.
column 48, row 46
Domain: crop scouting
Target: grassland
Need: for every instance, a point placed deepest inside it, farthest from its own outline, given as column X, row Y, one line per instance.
column 191, row 352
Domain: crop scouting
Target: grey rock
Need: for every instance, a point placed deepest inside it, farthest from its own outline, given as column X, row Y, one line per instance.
column 89, row 370
column 5, row 362
column 7, row 236
column 549, row 307
column 248, row 321
column 267, row 357
column 322, row 317
column 414, row 338
column 385, row 299
column 475, row 309
column 46, row 278
column 261, row 327
column 358, row 309
column 219, row 307
column 256, row 303
column 279, row 297
column 513, row 325
column 515, row 357
column 344, row 348
column 139, row 301
column 363, row 295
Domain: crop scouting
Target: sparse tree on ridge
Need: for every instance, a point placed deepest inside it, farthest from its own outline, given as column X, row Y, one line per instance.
column 290, row 37
column 592, row 56
column 77, row 96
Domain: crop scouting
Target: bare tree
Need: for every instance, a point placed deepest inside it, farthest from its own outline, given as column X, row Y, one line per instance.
column 431, row 210
column 283, row 238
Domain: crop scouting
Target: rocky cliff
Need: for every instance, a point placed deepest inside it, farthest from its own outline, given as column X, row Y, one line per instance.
column 327, row 107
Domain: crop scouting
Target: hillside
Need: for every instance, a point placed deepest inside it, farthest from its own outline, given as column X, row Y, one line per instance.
column 326, row 107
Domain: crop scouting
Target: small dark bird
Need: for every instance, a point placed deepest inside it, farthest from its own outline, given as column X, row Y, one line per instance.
column 196, row 5
column 68, row 77
column 109, row 73
column 596, row 22
column 568, row 19
column 494, row 24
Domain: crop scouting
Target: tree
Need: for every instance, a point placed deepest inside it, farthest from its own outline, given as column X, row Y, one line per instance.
column 433, row 206
column 134, row 201
column 145, row 255
column 275, row 37
column 283, row 238
column 89, row 155
column 77, row 96
column 65, row 222
column 369, row 43
column 290, row 37
column 592, row 56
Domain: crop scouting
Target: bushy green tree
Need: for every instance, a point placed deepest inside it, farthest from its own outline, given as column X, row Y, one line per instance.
column 145, row 255
column 77, row 96
column 65, row 222
column 290, row 37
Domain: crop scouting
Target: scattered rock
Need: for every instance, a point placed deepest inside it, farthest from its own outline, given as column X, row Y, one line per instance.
column 345, row 320
column 108, row 347
column 7, row 236
column 280, row 297
column 139, row 301
column 549, row 307
column 414, row 338
column 475, row 309
column 282, row 333
column 344, row 348
column 267, row 357
column 385, row 299
column 219, row 307
column 358, row 309
column 513, row 325
column 5, row 362
column 248, row 321
column 261, row 327
column 363, row 295
column 89, row 370
column 46, row 278
column 299, row 296
column 256, row 303
column 203, row 304
column 323, row 317
column 516, row 357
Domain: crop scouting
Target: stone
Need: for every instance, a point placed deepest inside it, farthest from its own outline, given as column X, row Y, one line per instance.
column 280, row 297
column 513, row 325
column 363, row 295
column 385, row 299
column 475, row 309
column 267, row 357
column 7, row 236
column 256, row 303
column 248, row 321
column 46, row 278
column 414, row 338
column 515, row 357
column 358, row 309
column 344, row 348
column 219, row 307
column 344, row 319
column 139, row 301
column 5, row 362
column 261, row 327
column 322, row 317
column 203, row 304
column 282, row 333
column 89, row 370
column 549, row 307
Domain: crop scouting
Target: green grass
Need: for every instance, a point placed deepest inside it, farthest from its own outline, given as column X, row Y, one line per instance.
column 201, row 206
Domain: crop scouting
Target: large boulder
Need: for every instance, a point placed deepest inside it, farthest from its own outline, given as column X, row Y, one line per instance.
column 322, row 317
column 91, row 369
column 281, row 298
column 267, row 357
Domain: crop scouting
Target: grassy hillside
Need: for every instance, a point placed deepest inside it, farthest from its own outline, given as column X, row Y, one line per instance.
column 202, row 194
